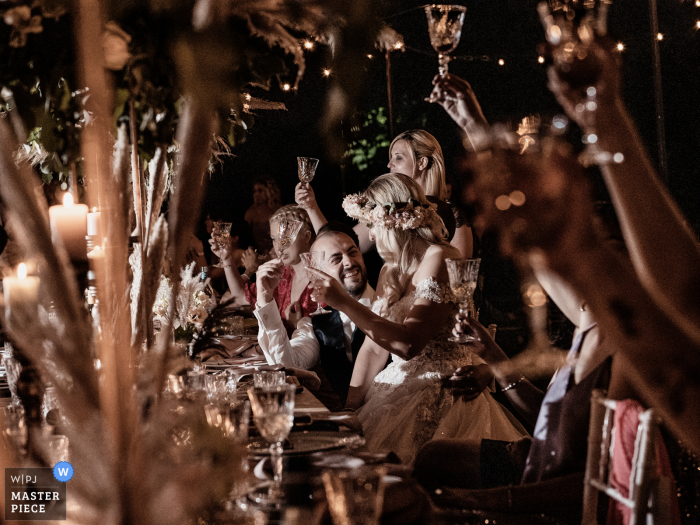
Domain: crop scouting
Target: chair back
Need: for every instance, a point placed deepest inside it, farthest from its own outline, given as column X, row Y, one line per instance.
column 645, row 499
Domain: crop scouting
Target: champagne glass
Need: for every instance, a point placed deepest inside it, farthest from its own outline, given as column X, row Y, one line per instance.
column 221, row 234
column 273, row 413
column 314, row 260
column 463, row 276
column 445, row 27
column 307, row 169
column 287, row 231
column 571, row 27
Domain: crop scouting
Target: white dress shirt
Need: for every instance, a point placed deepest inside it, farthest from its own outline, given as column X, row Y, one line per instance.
column 303, row 349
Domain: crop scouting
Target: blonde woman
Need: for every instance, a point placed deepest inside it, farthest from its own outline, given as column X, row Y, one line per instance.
column 416, row 154
column 404, row 405
column 292, row 293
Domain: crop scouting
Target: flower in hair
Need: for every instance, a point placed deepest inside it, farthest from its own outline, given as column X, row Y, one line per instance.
column 390, row 215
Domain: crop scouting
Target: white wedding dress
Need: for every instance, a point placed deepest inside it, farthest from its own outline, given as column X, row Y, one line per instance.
column 406, row 405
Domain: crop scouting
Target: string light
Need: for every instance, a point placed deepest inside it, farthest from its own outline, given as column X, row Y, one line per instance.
column 369, row 56
column 659, row 36
column 697, row 24
column 398, row 45
column 501, row 62
column 247, row 96
column 697, row 3
column 327, row 72
column 620, row 46
column 286, row 87
column 308, row 44
column 540, row 59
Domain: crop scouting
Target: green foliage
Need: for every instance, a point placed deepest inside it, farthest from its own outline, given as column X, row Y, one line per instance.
column 371, row 136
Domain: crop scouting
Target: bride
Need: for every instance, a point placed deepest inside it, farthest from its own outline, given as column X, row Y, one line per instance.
column 404, row 405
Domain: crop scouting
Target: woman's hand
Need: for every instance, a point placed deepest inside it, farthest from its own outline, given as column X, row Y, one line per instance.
column 455, row 95
column 469, row 381
column 327, row 289
column 223, row 251
column 267, row 280
column 304, row 196
column 606, row 60
column 250, row 261
column 483, row 344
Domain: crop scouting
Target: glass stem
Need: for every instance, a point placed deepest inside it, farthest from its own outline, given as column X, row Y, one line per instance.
column 276, row 459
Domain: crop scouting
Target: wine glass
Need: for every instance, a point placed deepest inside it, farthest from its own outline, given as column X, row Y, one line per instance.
column 314, row 260
column 445, row 27
column 463, row 276
column 273, row 413
column 287, row 231
column 571, row 27
column 307, row 169
column 221, row 234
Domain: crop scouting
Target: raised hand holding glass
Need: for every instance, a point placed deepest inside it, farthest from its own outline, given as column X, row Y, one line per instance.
column 314, row 260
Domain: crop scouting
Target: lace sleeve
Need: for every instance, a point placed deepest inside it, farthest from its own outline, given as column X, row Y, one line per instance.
column 430, row 289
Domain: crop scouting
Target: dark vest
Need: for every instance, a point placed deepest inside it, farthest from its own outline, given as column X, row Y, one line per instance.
column 335, row 368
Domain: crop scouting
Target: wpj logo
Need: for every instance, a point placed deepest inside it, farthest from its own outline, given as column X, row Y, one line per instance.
column 36, row 493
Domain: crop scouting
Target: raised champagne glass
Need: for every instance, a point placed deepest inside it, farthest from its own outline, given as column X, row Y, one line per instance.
column 571, row 27
column 273, row 413
column 463, row 275
column 221, row 234
column 314, row 260
column 445, row 26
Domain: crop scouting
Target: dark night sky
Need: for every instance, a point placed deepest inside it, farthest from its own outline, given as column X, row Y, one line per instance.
column 508, row 29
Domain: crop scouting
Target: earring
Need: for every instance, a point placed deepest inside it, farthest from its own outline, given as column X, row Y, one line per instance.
column 582, row 308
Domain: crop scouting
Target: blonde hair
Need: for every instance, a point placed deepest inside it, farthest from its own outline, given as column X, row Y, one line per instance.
column 423, row 144
column 272, row 193
column 292, row 211
column 396, row 246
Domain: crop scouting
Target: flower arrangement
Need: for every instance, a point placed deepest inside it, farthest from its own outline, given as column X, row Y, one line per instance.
column 390, row 215
column 190, row 305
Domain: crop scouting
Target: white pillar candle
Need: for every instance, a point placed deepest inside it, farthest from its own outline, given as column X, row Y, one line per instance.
column 94, row 226
column 21, row 293
column 69, row 223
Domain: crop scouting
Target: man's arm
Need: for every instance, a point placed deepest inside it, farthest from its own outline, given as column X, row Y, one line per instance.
column 301, row 351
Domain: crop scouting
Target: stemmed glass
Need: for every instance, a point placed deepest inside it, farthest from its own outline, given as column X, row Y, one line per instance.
column 571, row 27
column 314, row 260
column 273, row 413
column 463, row 276
column 287, row 231
column 307, row 169
column 445, row 27
column 221, row 233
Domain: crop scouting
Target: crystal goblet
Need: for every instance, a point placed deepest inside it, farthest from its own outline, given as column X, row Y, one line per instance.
column 463, row 275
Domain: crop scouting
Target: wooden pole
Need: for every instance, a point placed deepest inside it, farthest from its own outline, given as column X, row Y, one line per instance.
column 658, row 92
column 136, row 174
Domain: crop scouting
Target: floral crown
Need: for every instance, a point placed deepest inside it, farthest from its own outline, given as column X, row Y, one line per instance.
column 390, row 215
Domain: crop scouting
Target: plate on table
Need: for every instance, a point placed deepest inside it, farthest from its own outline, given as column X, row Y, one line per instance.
column 307, row 442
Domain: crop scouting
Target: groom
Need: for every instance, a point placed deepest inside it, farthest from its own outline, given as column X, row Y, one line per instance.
column 327, row 343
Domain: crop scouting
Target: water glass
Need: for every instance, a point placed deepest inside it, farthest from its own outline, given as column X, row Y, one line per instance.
column 196, row 380
column 57, row 449
column 356, row 496
column 14, row 429
column 269, row 378
column 215, row 387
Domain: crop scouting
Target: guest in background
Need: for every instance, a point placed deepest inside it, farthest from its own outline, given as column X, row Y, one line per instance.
column 292, row 295
column 266, row 199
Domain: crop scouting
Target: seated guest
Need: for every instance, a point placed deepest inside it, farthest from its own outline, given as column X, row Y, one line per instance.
column 403, row 405
column 330, row 340
column 292, row 296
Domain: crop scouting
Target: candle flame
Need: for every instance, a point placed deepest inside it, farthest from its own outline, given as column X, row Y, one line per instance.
column 68, row 200
column 22, row 271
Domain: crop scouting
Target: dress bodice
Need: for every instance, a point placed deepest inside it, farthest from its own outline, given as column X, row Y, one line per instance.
column 439, row 355
column 406, row 404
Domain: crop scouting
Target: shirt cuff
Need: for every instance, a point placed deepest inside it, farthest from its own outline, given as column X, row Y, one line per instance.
column 268, row 315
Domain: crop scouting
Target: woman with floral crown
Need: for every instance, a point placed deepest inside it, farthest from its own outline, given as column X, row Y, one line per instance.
column 404, row 405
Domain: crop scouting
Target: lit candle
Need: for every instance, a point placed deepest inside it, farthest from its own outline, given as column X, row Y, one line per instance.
column 94, row 226
column 69, row 223
column 21, row 293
